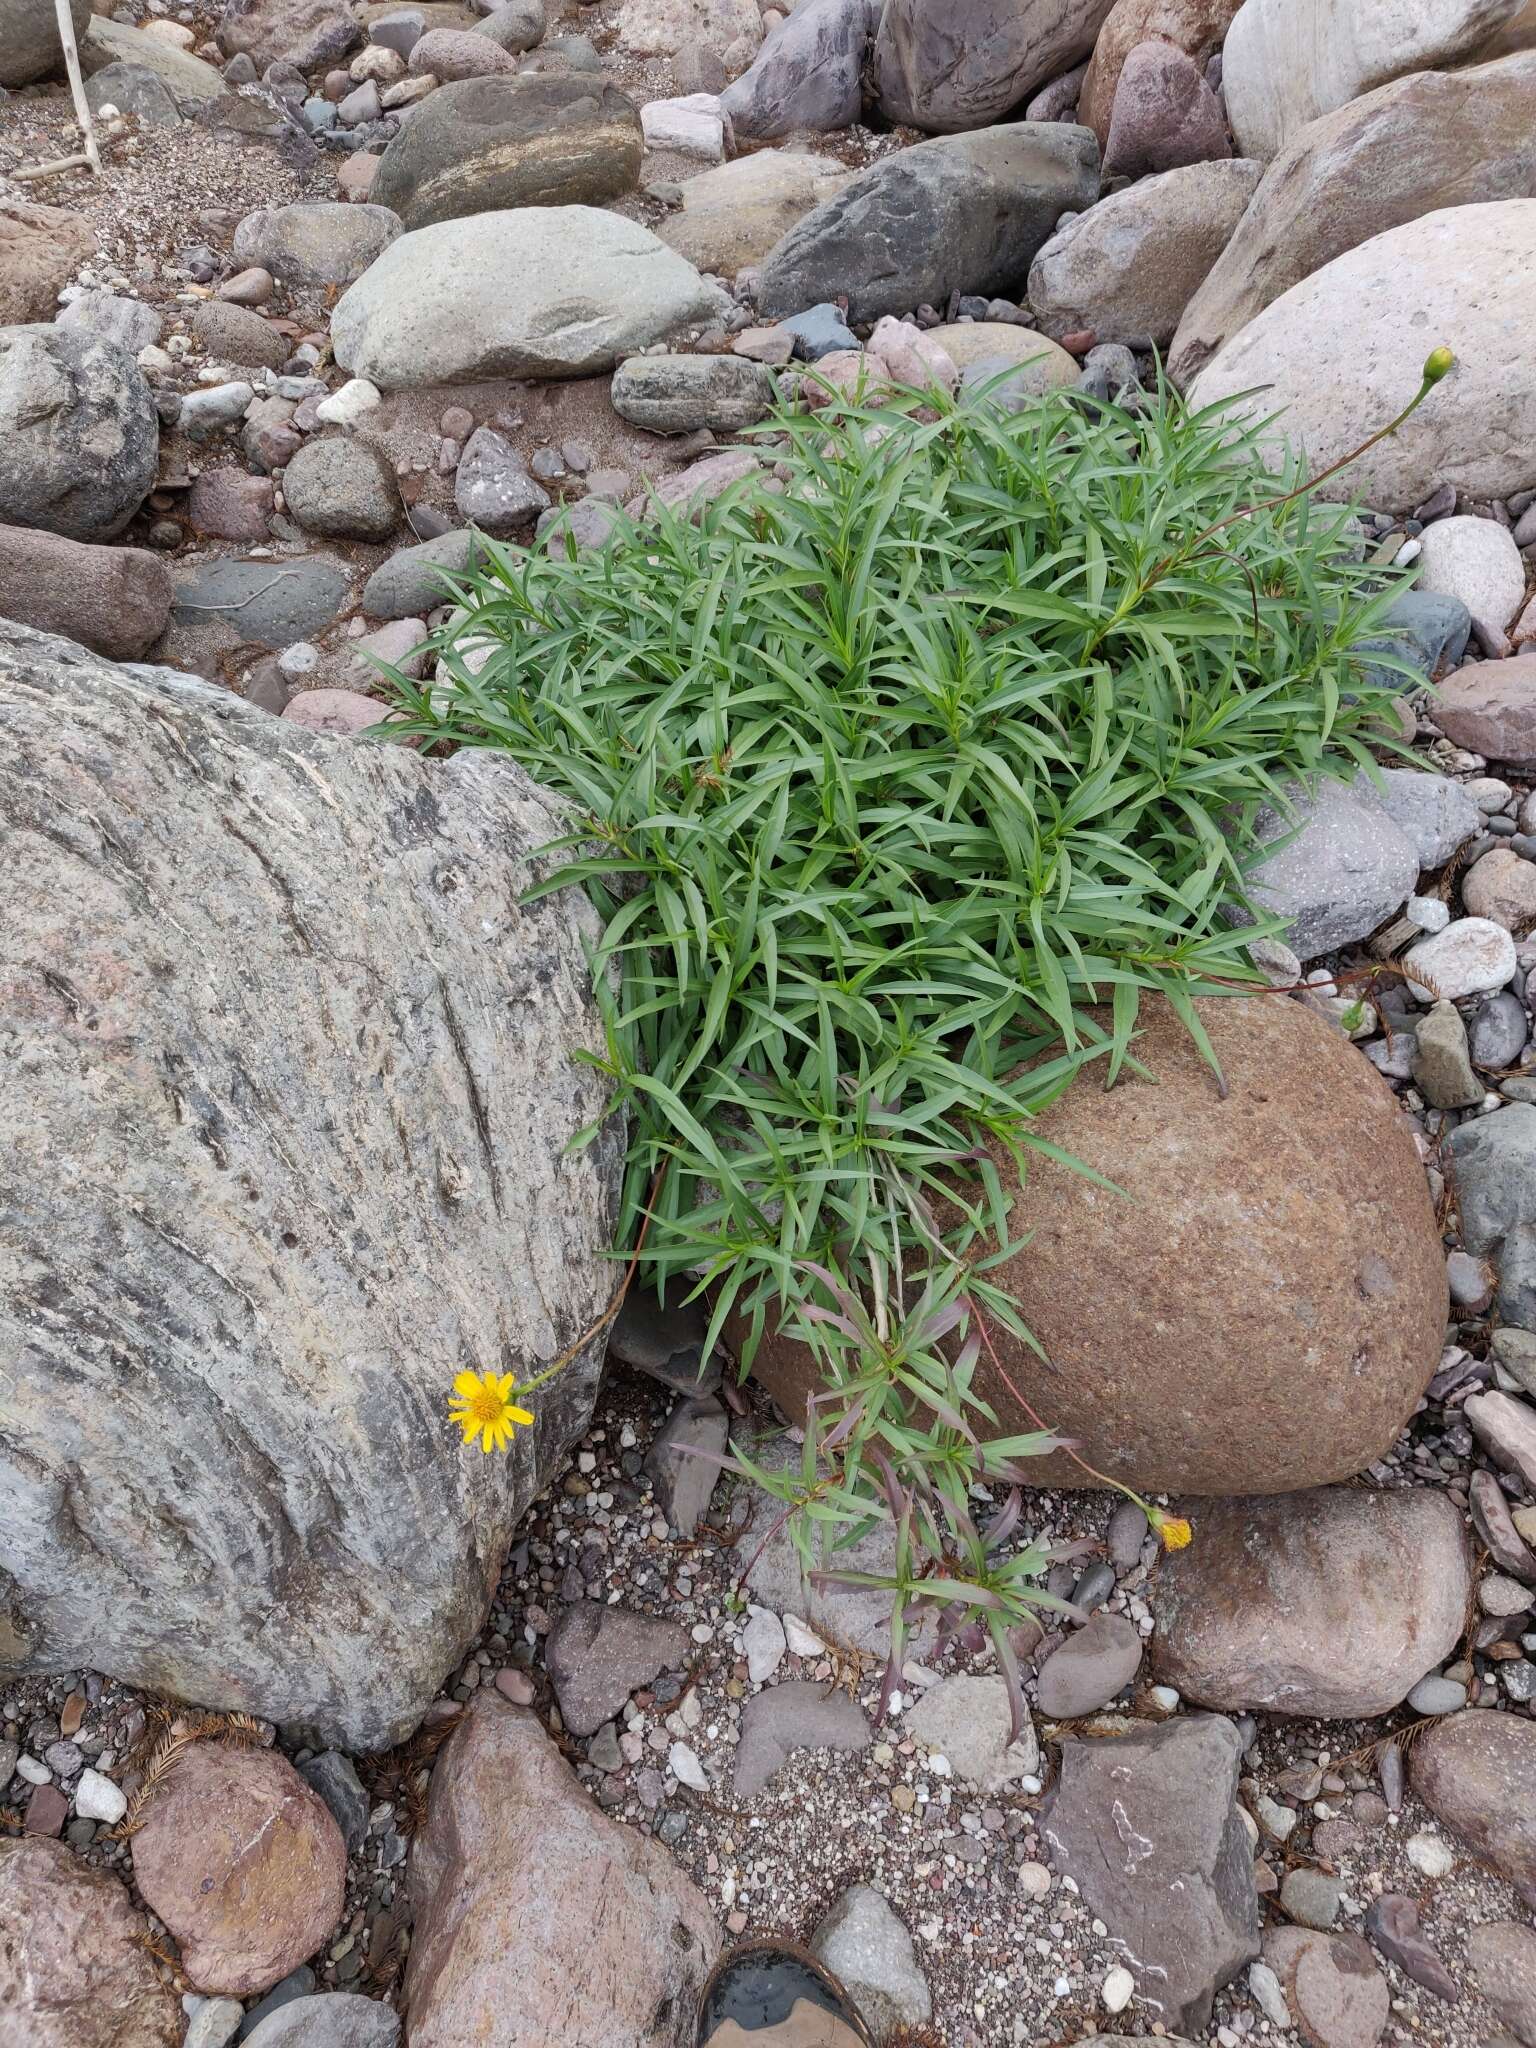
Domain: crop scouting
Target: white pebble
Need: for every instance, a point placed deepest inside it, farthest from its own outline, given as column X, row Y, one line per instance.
column 702, row 1632
column 97, row 1798
column 763, row 1642
column 1034, row 1880
column 35, row 1773
column 1431, row 1854
column 684, row 1765
column 344, row 408
column 802, row 1641
column 1118, row 1989
column 1428, row 913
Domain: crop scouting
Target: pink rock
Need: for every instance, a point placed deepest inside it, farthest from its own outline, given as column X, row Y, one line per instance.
column 448, row 53
column 251, row 287
column 1164, row 115
column 538, row 1920
column 912, row 357
column 244, row 1864
column 357, row 174
column 398, row 643
column 73, row 1971
column 230, row 504
column 515, row 1685
column 47, row 1811
column 702, row 481
column 340, row 714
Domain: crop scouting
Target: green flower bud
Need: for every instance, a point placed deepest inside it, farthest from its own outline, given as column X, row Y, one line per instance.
column 1438, row 364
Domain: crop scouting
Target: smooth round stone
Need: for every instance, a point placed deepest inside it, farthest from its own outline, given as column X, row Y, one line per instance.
column 1472, row 956
column 1435, row 1695
column 1497, row 1031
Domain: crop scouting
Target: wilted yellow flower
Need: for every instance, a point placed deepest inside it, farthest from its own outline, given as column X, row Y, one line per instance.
column 1174, row 1532
column 1438, row 363
column 483, row 1407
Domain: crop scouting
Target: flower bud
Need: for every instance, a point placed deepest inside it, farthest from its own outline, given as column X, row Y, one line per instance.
column 1438, row 364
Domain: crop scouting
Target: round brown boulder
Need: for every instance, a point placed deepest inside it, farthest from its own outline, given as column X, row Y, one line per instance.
column 1264, row 1302
column 244, row 1864
column 73, row 1969
column 1475, row 1771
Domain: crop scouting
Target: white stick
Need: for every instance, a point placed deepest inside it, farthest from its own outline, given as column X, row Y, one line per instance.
column 77, row 83
column 47, row 170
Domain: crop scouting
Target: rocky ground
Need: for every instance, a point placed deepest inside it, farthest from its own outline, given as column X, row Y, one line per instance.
column 316, row 322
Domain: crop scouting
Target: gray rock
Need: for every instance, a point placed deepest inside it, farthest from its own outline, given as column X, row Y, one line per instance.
column 1393, row 1924
column 128, row 322
column 808, row 73
column 965, row 213
column 964, row 64
column 968, row 1721
column 1505, row 1426
column 1503, row 1960
column 596, row 1656
column 343, row 489
column 542, row 291
column 855, row 1617
column 1441, row 1065
column 1331, row 1602
column 254, row 115
column 679, row 394
column 1311, row 1897
column 134, row 89
column 493, row 488
column 212, row 408
column 1128, row 267
column 1125, row 1536
column 514, row 25
column 1092, row 1665
column 1434, row 814
column 869, row 1951
column 315, row 242
column 79, row 435
column 586, row 523
column 334, row 2019
column 234, row 334
column 338, row 1784
column 307, row 35
column 482, row 145
column 796, row 1714
column 30, row 47
column 275, row 603
column 665, row 1339
column 108, row 42
column 1424, row 628
column 1494, row 1160
column 309, row 1564
column 1340, row 866
column 298, row 1983
column 1148, row 1826
column 216, row 2021
column 685, row 1480
column 400, row 30
column 410, row 584
column 1496, row 1526
column 1497, row 1031
column 1436, row 1695
column 819, row 331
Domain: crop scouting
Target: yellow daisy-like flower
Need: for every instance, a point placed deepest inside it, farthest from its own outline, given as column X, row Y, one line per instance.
column 483, row 1407
column 1174, row 1531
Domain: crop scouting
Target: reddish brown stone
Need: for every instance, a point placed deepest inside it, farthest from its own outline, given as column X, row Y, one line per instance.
column 47, row 1811
column 244, row 1864
column 72, row 1971
column 1490, row 706
column 1475, row 1771
column 1264, row 1310
column 1165, row 115
column 538, row 1920
column 41, row 248
column 341, row 714
column 1196, row 27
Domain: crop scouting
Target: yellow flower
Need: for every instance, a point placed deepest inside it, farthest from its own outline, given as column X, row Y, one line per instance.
column 483, row 1407
column 1175, row 1532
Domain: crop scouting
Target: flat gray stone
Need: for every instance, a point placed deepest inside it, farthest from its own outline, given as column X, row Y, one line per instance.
column 275, row 602
column 1092, row 1665
column 867, row 1948
column 796, row 1714
column 409, row 584
column 1339, row 868
column 968, row 1721
column 1495, row 1164
column 331, row 2019
column 684, row 1461
column 596, row 1656
column 679, row 394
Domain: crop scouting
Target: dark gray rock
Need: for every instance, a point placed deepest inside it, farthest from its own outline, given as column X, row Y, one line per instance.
column 30, row 47
column 946, row 65
column 270, row 909
column 586, row 523
column 1427, row 630
column 134, row 89
column 1496, row 1526
column 481, row 145
column 1494, row 1160
column 819, row 331
column 79, row 434
column 1094, row 1664
column 679, row 394
column 272, row 602
column 665, row 1340
column 493, row 488
column 963, row 213
column 515, row 25
column 1148, row 1826
column 338, row 1784
column 1393, row 1924
column 796, row 1714
column 298, row 1983
column 343, row 489
column 410, row 584
column 254, row 115
column 808, row 73
column 1497, row 1031
column 307, row 35
column 234, row 334
column 683, row 1462
column 596, row 1656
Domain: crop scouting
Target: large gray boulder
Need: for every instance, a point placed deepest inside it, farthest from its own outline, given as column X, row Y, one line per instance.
column 189, row 80
column 1340, row 354
column 486, row 144
column 1128, row 267
column 947, row 65
column 79, row 435
column 30, row 46
column 962, row 213
column 1358, row 171
column 808, row 73
column 541, row 291
column 1287, row 61
column 290, row 1083
column 314, row 242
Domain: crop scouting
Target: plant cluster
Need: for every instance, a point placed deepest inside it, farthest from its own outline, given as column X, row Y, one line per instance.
column 899, row 789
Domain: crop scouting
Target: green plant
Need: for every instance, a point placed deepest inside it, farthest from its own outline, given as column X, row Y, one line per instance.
column 897, row 792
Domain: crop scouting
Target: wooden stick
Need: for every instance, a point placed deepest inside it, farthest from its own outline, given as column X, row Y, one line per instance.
column 77, row 83
column 58, row 163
